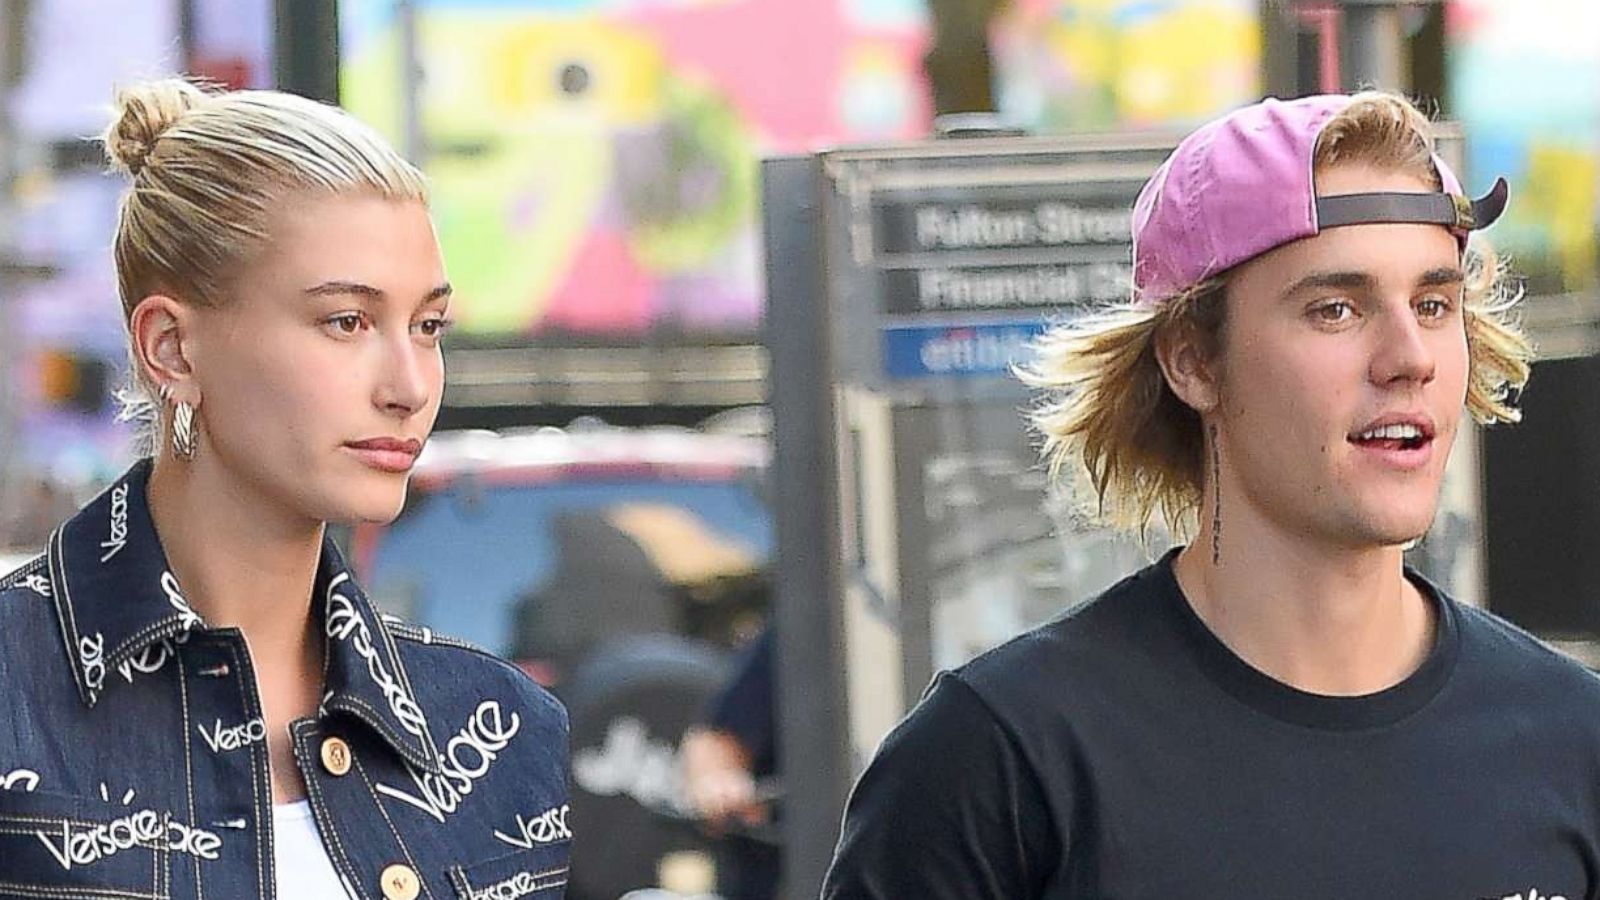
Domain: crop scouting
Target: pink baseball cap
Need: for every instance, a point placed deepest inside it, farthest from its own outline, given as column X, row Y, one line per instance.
column 1242, row 185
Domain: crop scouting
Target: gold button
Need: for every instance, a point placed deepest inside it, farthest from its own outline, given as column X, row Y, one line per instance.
column 336, row 759
column 400, row 883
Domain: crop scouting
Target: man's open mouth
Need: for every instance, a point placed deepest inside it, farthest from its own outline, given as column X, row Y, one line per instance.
column 1400, row 436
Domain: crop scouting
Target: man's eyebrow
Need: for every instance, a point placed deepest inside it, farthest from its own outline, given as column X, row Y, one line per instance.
column 1441, row 276
column 1341, row 280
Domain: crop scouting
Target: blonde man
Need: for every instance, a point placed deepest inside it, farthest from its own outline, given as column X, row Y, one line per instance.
column 1279, row 708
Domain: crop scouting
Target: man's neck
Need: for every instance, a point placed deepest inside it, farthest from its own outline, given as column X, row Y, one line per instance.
column 1326, row 620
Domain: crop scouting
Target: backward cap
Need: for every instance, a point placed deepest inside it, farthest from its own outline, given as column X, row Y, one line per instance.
column 1232, row 190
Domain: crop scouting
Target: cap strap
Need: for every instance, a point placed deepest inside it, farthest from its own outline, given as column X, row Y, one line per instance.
column 1450, row 210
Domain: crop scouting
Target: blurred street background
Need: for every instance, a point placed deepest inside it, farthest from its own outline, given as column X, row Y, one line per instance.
column 695, row 398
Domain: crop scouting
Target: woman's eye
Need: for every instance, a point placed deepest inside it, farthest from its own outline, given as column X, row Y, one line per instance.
column 346, row 323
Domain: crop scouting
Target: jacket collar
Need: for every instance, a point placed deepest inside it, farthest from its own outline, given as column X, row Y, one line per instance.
column 121, row 609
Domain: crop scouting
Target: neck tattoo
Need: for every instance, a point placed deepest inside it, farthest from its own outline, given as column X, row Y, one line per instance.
column 1216, row 490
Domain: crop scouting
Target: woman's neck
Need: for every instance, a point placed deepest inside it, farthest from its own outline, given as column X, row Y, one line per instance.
column 242, row 561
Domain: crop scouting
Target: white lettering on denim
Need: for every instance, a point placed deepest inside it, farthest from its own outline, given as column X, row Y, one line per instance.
column 466, row 759
column 150, row 659
column 522, row 884
column 81, row 846
column 631, row 763
column 38, row 583
column 223, row 740
column 546, row 828
column 1531, row 895
column 344, row 623
column 119, row 524
column 188, row 617
column 21, row 780
column 91, row 649
column 105, row 794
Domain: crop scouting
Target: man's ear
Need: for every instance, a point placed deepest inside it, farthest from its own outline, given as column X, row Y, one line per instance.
column 162, row 328
column 1188, row 363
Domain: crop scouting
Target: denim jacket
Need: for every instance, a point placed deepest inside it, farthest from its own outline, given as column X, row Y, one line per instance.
column 133, row 754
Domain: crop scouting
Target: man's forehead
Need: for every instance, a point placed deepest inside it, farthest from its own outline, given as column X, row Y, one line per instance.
column 1386, row 248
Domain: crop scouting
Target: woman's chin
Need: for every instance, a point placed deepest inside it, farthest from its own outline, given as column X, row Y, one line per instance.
column 370, row 508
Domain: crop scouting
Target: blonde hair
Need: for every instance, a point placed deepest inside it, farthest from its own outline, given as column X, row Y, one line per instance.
column 208, row 170
column 1112, row 425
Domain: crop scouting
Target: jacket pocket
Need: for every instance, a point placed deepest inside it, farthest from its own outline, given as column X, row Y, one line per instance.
column 539, row 872
column 54, row 845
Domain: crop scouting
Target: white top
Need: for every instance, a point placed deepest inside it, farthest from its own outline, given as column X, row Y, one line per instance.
column 304, row 869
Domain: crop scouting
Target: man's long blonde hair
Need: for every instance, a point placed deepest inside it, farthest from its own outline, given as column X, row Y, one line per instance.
column 1114, row 430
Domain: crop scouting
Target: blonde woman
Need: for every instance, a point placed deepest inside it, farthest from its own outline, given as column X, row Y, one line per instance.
column 1279, row 708
column 196, row 698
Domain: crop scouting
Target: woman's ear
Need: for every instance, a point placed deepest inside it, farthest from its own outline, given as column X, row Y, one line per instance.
column 1189, row 364
column 160, row 325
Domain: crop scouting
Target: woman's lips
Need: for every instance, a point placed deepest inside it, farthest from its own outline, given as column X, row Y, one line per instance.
column 393, row 455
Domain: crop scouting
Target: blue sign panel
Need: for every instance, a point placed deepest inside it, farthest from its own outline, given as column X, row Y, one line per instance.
column 985, row 350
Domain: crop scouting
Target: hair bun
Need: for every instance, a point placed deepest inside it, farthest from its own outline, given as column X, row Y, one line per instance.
column 144, row 112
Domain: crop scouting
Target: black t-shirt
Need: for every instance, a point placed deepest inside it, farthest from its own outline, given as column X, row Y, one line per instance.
column 1123, row 751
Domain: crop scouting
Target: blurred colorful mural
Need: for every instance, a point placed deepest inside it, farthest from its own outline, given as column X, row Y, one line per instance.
column 1525, row 82
column 1096, row 64
column 594, row 162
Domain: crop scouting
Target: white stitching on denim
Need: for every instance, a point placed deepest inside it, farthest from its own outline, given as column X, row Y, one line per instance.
column 301, row 742
column 188, row 764
column 430, row 638
column 537, row 877
column 64, row 614
column 405, row 678
column 77, row 893
column 368, row 714
column 19, row 577
column 145, row 636
column 347, row 621
column 266, row 878
column 410, row 860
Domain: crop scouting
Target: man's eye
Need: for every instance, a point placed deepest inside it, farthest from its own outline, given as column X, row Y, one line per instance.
column 1434, row 306
column 434, row 327
column 1333, row 313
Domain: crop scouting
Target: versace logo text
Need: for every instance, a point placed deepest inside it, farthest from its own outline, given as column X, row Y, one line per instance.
column 119, row 524
column 545, row 828
column 344, row 623
column 222, row 740
column 466, row 758
column 80, row 846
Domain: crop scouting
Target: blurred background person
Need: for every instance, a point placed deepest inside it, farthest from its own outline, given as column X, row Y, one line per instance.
column 731, row 765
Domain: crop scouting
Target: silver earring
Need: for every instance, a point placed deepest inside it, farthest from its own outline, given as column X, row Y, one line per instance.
column 183, row 431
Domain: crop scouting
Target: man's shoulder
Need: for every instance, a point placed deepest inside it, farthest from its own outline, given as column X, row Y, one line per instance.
column 1106, row 639
column 1518, row 659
